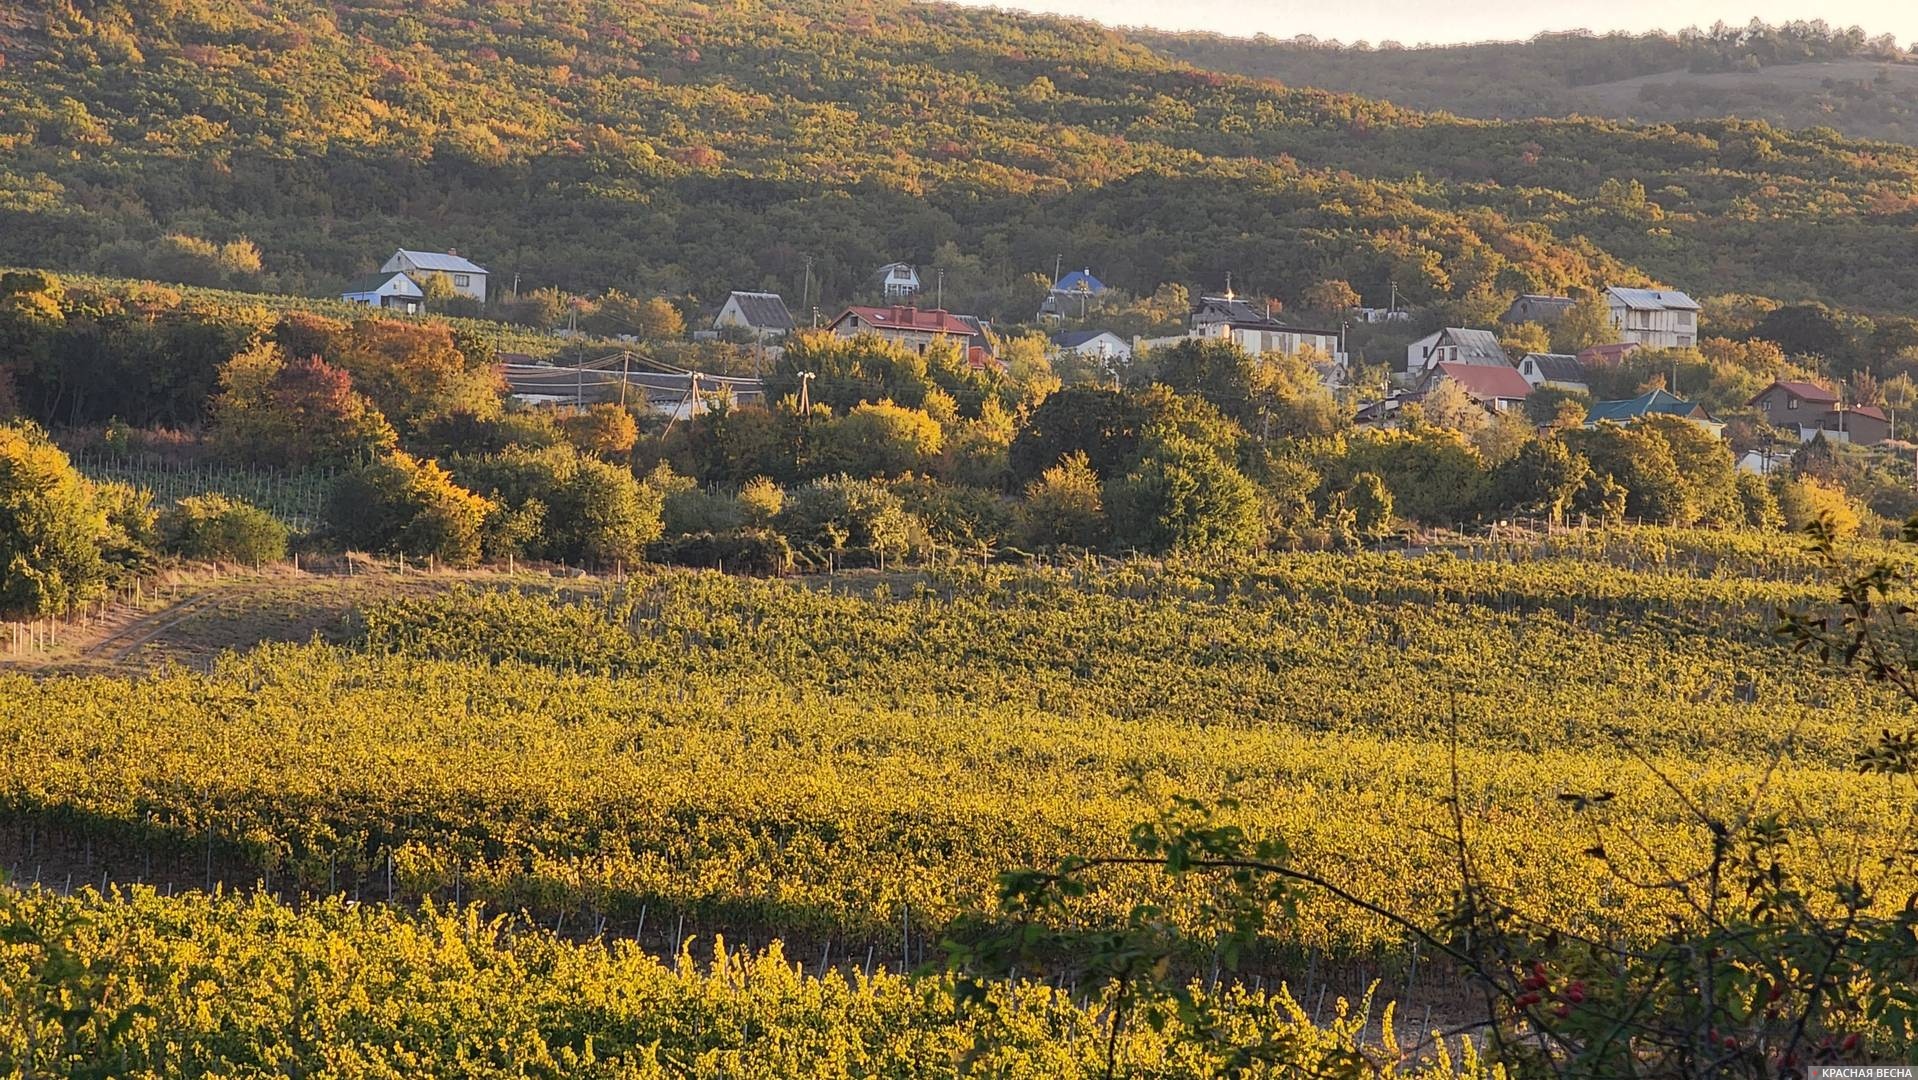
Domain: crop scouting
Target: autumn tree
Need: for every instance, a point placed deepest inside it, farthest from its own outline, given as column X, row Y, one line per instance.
column 51, row 528
column 1586, row 323
column 294, row 413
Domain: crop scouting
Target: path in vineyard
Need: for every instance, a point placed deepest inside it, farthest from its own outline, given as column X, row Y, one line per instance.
column 189, row 617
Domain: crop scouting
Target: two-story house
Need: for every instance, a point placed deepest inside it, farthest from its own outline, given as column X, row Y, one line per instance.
column 467, row 277
column 1655, row 318
column 1806, row 409
column 898, row 281
column 1452, row 345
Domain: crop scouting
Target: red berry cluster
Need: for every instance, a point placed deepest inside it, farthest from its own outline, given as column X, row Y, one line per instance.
column 1536, row 988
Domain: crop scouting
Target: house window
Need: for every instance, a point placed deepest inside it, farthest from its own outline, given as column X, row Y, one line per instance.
column 1791, row 403
column 462, row 280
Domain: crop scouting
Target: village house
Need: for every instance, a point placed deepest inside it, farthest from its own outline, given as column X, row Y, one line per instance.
column 1534, row 308
column 391, row 290
column 1560, row 371
column 761, row 314
column 467, row 278
column 1071, row 296
column 898, row 281
column 1807, row 409
column 1496, row 387
column 1452, row 345
column 1101, row 345
column 1654, row 318
column 1254, row 329
column 1657, row 402
column 907, row 326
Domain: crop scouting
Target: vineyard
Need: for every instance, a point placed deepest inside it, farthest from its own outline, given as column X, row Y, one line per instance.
column 710, row 754
column 296, row 499
column 459, row 994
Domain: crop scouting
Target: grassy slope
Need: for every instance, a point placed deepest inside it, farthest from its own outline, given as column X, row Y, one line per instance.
column 698, row 147
column 1564, row 76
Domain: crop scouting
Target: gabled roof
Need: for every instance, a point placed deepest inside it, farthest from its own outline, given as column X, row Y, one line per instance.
column 441, row 262
column 374, row 282
column 762, row 310
column 1803, row 391
column 1233, row 310
column 903, row 269
column 1556, row 367
column 910, row 318
column 1072, row 339
column 1653, row 299
column 1485, row 382
column 1872, row 411
column 981, row 333
column 1078, row 281
column 1534, row 307
column 1475, row 346
column 1607, row 354
column 1656, row 402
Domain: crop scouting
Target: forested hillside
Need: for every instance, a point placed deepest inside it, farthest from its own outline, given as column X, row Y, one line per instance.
column 1794, row 75
column 684, row 147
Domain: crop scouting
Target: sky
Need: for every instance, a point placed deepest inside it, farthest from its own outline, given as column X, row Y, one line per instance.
column 1412, row 22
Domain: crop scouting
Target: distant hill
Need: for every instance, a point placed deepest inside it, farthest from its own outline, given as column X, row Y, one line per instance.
column 687, row 148
column 1798, row 75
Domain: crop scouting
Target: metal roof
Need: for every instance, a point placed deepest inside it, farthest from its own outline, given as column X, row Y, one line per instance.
column 1556, row 367
column 1653, row 299
column 441, row 261
column 1658, row 401
column 1079, row 281
column 1475, row 346
column 372, row 283
column 1487, row 383
column 763, row 310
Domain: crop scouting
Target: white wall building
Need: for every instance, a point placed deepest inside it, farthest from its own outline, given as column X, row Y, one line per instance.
column 897, row 281
column 467, row 277
column 393, row 291
column 1654, row 318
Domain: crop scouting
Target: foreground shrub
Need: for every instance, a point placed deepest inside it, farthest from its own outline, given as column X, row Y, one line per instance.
column 403, row 505
column 219, row 529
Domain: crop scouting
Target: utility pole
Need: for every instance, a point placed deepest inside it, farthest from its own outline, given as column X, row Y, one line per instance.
column 625, row 374
column 939, row 297
column 805, row 290
column 1058, row 267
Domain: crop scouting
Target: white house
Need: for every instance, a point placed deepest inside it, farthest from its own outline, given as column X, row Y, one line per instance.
column 764, row 314
column 1452, row 345
column 1102, row 345
column 467, row 277
column 898, row 281
column 1227, row 318
column 1560, row 371
column 392, row 290
column 1655, row 318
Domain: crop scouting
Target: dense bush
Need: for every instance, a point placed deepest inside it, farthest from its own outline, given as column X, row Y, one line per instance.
column 403, row 505
column 219, row 529
column 847, row 515
column 51, row 528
